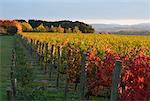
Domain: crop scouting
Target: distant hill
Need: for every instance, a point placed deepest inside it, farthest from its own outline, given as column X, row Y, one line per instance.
column 117, row 27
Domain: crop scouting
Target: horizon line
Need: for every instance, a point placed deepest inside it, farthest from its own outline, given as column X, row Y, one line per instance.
column 95, row 21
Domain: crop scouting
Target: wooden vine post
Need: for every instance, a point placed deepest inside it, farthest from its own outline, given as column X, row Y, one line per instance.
column 25, row 42
column 115, row 81
column 51, row 60
column 46, row 57
column 28, row 42
column 9, row 90
column 66, row 88
column 13, row 80
column 31, row 43
column 42, row 52
column 11, row 74
column 9, row 94
column 59, row 65
column 39, row 51
column 83, row 77
column 67, row 78
column 36, row 48
column 42, row 55
column 14, row 86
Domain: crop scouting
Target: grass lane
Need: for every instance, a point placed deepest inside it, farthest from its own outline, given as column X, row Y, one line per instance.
column 6, row 46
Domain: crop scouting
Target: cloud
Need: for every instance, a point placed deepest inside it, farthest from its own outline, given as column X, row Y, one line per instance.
column 115, row 21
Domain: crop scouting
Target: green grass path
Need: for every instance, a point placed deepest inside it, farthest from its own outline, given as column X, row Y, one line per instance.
column 6, row 46
column 44, row 87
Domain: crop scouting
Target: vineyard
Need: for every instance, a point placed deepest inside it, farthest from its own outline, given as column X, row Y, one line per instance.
column 113, row 67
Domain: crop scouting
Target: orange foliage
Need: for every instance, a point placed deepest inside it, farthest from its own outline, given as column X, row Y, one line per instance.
column 12, row 23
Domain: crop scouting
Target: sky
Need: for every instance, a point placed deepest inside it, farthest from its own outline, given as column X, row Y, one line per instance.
column 89, row 11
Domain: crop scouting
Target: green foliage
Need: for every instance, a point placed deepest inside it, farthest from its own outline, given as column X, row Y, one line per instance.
column 24, row 75
column 3, row 30
column 6, row 44
column 84, row 28
column 38, row 91
column 12, row 30
column 23, row 71
column 26, row 26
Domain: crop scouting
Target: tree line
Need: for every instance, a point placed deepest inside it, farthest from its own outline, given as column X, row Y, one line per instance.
column 64, row 26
